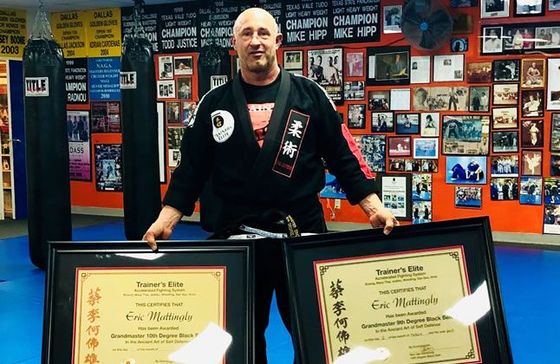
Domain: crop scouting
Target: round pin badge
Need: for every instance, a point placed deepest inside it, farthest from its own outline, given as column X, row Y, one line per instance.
column 222, row 125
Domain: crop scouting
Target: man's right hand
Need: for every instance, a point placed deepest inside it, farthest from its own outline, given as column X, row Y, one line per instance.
column 162, row 228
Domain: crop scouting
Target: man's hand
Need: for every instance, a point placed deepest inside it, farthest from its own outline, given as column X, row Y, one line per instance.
column 163, row 226
column 377, row 214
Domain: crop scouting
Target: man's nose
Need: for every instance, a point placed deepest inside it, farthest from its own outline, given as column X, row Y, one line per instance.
column 255, row 40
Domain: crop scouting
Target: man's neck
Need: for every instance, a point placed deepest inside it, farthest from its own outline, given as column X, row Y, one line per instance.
column 260, row 79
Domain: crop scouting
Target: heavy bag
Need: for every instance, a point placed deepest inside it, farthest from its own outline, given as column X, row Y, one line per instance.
column 46, row 148
column 141, row 185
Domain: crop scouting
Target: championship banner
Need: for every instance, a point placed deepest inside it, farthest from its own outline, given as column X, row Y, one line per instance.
column 69, row 30
column 13, row 32
column 275, row 8
column 307, row 23
column 355, row 24
column 149, row 20
column 76, row 81
column 104, row 32
column 177, row 28
column 104, row 78
column 216, row 23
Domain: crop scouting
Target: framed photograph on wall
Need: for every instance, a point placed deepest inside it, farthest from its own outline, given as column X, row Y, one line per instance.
column 408, row 123
column 492, row 40
column 426, row 148
column 379, row 100
column 553, row 86
column 530, row 190
column 429, row 124
column 392, row 19
column 421, row 187
column 504, row 189
column 388, row 66
column 465, row 170
column 166, row 89
column 382, row 122
column 553, row 5
column 551, row 188
column 506, row 70
column 555, row 133
column 504, row 165
column 354, row 90
column 532, row 133
column 518, row 38
column 551, row 218
column 293, row 60
column 479, row 98
column 421, row 212
column 396, row 193
column 355, row 64
column 532, row 73
column 183, row 65
column 173, row 115
column 449, row 68
column 108, row 167
column 494, row 8
column 505, row 94
column 184, row 88
column 465, row 135
column 479, row 72
column 470, row 197
column 373, row 150
column 532, row 103
column 420, row 69
column 459, row 44
column 504, row 118
column 555, row 164
column 505, row 141
column 531, row 162
column 356, row 116
column 400, row 146
column 441, row 98
column 325, row 68
column 528, row 8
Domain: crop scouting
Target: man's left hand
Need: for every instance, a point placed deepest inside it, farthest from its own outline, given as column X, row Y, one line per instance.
column 377, row 214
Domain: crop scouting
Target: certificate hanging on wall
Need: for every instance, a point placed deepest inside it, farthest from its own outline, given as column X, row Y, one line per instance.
column 120, row 303
column 425, row 293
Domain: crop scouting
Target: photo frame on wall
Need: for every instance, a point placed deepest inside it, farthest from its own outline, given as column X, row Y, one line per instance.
column 479, row 97
column 479, row 72
column 553, row 86
column 355, row 64
column 553, row 5
column 528, row 8
column 469, row 197
column 494, row 8
column 506, row 70
column 532, row 73
column 551, row 218
column 532, row 103
column 293, row 60
column 429, row 124
column 408, row 123
column 325, row 67
column 183, row 65
column 555, row 133
column 530, row 190
column 465, row 134
column 373, row 150
column 531, row 162
column 465, row 170
column 504, row 118
column 505, row 94
column 382, row 122
column 396, row 194
column 448, row 68
column 532, row 134
column 504, row 189
column 426, row 148
column 504, row 165
column 353, row 90
column 491, row 41
column 392, row 15
column 379, row 100
column 400, row 146
column 388, row 66
column 356, row 116
column 518, row 38
column 555, row 164
column 505, row 141
column 420, row 69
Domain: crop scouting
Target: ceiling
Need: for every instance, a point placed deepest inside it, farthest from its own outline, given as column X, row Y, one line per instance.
column 65, row 5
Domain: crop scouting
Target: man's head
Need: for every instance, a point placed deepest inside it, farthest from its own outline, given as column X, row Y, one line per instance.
column 256, row 39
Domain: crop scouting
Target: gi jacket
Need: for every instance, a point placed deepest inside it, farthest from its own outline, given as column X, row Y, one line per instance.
column 287, row 173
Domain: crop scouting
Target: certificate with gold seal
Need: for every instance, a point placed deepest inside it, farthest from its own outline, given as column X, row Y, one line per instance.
column 118, row 302
column 397, row 301
column 425, row 294
column 143, row 314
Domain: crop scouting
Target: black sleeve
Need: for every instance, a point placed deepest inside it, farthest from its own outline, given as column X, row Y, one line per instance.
column 188, row 179
column 341, row 153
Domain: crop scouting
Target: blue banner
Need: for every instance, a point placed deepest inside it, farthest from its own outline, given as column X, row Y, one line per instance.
column 104, row 79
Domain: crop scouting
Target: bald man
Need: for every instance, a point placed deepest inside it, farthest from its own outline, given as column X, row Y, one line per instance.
column 263, row 137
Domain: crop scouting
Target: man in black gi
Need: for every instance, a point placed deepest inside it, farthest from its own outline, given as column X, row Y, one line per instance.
column 264, row 138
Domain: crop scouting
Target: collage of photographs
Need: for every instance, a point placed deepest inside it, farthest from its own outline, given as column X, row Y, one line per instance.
column 486, row 122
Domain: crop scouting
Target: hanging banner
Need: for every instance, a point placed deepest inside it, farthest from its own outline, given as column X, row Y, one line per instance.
column 69, row 30
column 177, row 28
column 108, row 164
column 307, row 23
column 104, row 78
column 77, row 123
column 275, row 8
column 76, row 81
column 13, row 32
column 149, row 22
column 104, row 32
column 216, row 23
column 358, row 22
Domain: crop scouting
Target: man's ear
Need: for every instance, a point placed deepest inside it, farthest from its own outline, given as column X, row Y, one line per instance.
column 233, row 42
column 279, row 38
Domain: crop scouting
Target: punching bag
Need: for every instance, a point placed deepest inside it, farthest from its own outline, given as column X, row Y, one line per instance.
column 46, row 142
column 141, row 185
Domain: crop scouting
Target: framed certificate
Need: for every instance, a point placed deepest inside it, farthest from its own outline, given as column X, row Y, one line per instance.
column 423, row 294
column 396, row 190
column 118, row 302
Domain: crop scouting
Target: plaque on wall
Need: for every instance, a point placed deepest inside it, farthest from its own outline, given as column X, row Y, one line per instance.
column 423, row 294
column 118, row 302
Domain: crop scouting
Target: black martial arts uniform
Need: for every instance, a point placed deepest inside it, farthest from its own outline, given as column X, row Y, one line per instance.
column 286, row 174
